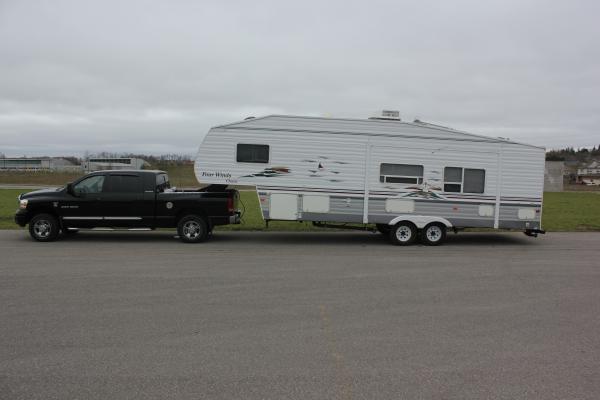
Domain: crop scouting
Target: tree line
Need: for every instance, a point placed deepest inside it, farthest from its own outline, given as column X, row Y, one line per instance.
column 582, row 154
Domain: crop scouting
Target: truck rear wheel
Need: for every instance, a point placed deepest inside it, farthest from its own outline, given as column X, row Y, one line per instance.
column 44, row 227
column 192, row 229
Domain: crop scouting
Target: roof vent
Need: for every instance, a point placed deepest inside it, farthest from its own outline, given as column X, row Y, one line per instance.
column 387, row 114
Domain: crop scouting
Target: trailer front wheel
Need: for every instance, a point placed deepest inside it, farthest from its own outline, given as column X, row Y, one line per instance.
column 403, row 233
column 433, row 234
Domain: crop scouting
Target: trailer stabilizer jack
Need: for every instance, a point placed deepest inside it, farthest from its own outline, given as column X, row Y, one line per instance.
column 534, row 232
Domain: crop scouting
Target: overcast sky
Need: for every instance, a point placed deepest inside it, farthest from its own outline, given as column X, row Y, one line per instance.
column 154, row 76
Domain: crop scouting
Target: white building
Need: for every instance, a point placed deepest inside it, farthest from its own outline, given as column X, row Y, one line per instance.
column 98, row 164
column 592, row 169
column 35, row 164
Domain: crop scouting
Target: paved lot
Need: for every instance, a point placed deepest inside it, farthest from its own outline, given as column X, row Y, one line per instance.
column 299, row 316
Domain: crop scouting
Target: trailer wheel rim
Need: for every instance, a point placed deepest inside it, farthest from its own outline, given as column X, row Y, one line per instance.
column 42, row 228
column 403, row 233
column 191, row 229
column 434, row 233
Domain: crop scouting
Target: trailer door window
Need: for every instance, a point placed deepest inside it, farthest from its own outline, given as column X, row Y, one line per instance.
column 464, row 180
column 252, row 153
column 400, row 173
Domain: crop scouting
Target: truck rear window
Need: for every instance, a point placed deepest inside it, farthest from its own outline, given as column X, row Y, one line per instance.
column 162, row 182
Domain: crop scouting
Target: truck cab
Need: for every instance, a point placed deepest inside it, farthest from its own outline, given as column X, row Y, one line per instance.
column 124, row 199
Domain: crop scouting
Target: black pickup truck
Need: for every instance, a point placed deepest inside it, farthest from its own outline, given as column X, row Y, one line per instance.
column 127, row 199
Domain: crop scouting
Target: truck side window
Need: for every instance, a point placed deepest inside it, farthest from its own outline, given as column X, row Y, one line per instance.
column 124, row 184
column 93, row 184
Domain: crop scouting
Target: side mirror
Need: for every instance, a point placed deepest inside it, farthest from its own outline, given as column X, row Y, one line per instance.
column 70, row 189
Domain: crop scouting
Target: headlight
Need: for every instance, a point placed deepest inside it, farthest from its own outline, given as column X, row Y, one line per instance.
column 23, row 204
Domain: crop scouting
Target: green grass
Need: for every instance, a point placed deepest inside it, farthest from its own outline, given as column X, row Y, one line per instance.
column 38, row 177
column 566, row 211
column 8, row 206
column 571, row 211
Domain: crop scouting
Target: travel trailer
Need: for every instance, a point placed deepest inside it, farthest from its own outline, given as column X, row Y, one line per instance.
column 413, row 181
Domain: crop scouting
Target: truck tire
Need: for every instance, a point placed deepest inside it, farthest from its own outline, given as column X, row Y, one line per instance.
column 433, row 234
column 192, row 229
column 403, row 233
column 44, row 227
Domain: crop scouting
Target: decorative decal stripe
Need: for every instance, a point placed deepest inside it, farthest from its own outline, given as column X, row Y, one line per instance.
column 390, row 193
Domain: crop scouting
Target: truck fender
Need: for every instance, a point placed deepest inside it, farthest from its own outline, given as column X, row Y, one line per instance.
column 420, row 221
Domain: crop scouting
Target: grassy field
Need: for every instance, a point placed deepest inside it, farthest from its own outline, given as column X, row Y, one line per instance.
column 571, row 211
column 567, row 211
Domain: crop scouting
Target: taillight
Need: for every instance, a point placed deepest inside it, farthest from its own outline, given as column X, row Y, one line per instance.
column 230, row 204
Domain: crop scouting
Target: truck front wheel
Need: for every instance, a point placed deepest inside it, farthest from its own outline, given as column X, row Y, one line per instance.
column 192, row 229
column 44, row 227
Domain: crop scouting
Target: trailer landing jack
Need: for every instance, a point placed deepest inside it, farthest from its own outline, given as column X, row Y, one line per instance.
column 534, row 232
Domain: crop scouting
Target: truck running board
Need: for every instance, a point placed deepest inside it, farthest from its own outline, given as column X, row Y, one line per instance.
column 116, row 229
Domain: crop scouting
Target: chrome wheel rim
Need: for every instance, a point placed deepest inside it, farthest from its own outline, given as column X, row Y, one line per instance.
column 42, row 228
column 434, row 233
column 403, row 233
column 191, row 229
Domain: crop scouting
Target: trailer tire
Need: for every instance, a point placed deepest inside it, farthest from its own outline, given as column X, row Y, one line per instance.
column 433, row 234
column 404, row 233
column 44, row 227
column 192, row 229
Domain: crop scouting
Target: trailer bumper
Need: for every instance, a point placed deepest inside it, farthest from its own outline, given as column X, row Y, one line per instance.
column 534, row 232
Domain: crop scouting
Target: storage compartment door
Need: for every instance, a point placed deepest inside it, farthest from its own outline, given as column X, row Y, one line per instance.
column 283, row 206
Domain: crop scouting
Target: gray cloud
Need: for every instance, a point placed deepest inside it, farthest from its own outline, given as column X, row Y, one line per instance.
column 155, row 76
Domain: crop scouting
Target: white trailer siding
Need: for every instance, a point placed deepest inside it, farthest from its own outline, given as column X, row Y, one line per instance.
column 341, row 158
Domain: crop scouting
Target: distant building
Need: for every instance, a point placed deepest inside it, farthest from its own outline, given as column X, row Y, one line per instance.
column 36, row 164
column 590, row 174
column 553, row 176
column 98, row 164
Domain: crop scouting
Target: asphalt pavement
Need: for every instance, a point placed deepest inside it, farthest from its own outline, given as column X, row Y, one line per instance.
column 274, row 315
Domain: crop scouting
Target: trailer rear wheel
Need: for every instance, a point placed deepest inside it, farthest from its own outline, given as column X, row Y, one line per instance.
column 192, row 229
column 403, row 233
column 433, row 234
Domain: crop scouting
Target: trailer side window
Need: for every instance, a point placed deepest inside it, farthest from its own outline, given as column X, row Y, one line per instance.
column 464, row 180
column 474, row 180
column 400, row 173
column 453, row 179
column 252, row 153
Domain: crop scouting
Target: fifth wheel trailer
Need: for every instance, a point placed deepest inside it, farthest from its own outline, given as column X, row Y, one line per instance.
column 409, row 179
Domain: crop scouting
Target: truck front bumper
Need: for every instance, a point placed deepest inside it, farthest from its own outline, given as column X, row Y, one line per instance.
column 22, row 217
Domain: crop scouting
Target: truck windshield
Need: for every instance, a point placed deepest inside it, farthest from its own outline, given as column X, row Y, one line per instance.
column 162, row 182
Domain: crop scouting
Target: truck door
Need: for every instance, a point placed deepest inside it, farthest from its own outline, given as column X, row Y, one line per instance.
column 120, row 203
column 80, row 209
